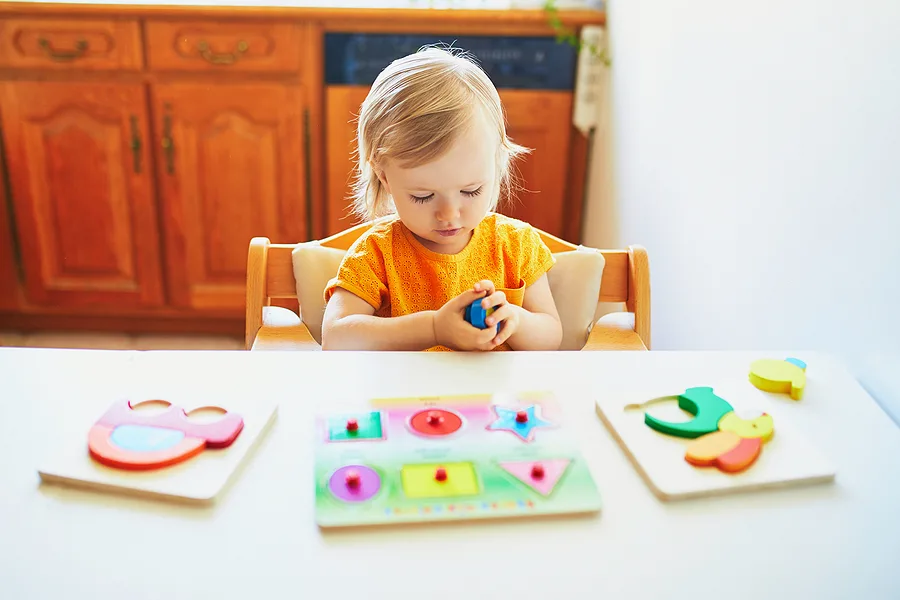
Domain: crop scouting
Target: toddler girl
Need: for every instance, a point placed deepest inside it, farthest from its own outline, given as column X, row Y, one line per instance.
column 434, row 159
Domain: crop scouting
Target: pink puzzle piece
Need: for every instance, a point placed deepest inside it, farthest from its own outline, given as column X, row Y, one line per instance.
column 544, row 478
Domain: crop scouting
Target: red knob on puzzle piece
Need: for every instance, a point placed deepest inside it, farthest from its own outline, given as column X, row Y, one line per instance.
column 352, row 479
column 352, row 425
column 434, row 418
column 537, row 471
column 521, row 416
column 440, row 474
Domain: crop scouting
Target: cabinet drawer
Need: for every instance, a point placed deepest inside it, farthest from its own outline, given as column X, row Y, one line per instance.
column 70, row 44
column 207, row 46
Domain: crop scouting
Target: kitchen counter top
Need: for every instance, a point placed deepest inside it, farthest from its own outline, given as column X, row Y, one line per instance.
column 418, row 4
column 571, row 13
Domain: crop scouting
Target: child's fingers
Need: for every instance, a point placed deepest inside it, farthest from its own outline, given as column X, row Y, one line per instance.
column 465, row 299
column 485, row 285
column 503, row 335
column 495, row 299
column 484, row 338
column 499, row 315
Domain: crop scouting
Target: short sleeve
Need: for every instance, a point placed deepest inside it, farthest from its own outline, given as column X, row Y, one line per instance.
column 535, row 257
column 362, row 272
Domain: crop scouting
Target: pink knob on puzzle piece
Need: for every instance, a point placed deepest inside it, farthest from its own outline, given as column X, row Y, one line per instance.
column 352, row 479
column 521, row 416
column 435, row 418
column 440, row 474
column 352, row 425
column 537, row 471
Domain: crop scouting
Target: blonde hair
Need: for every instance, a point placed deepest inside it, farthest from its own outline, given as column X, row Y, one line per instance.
column 415, row 110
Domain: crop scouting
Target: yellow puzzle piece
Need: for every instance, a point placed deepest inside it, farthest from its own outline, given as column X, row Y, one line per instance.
column 439, row 480
column 762, row 426
column 786, row 376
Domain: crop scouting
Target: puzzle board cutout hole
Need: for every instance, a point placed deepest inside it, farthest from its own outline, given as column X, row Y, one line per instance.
column 150, row 408
column 206, row 414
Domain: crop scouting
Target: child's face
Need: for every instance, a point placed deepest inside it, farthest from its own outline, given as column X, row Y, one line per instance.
column 443, row 201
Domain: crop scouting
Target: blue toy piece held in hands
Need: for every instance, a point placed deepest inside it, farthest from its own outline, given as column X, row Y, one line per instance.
column 476, row 314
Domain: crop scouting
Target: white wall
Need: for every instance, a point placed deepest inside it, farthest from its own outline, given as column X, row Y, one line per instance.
column 756, row 155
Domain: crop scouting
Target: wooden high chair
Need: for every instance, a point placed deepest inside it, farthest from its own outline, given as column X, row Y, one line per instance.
column 270, row 275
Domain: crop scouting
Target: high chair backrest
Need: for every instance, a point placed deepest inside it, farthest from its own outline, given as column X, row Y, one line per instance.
column 271, row 275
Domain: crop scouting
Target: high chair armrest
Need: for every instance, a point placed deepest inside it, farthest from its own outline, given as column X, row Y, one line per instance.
column 614, row 331
column 282, row 329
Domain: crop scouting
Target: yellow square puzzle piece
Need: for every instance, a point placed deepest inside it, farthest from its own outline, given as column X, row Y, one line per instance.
column 421, row 481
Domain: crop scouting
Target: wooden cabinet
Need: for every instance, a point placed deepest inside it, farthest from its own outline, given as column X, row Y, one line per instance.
column 82, row 193
column 342, row 105
column 9, row 271
column 144, row 146
column 58, row 44
column 539, row 120
column 232, row 165
column 211, row 46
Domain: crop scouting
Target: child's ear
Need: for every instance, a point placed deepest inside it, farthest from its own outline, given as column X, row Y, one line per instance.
column 382, row 178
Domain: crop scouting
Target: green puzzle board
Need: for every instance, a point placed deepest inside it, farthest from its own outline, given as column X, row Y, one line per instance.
column 384, row 468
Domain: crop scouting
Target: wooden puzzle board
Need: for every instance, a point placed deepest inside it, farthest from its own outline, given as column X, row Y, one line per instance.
column 788, row 458
column 199, row 479
column 487, row 457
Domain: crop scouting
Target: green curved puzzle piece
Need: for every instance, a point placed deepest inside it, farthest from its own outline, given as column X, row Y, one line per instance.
column 707, row 408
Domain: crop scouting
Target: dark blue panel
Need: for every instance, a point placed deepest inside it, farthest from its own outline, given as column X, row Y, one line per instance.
column 535, row 63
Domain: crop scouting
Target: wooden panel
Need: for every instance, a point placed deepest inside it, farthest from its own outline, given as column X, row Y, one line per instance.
column 231, row 167
column 217, row 46
column 82, row 193
column 576, row 169
column 415, row 20
column 70, row 44
column 342, row 104
column 9, row 278
column 179, row 323
column 540, row 120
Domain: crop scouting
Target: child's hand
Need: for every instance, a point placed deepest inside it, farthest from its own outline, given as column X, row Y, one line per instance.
column 453, row 331
column 505, row 318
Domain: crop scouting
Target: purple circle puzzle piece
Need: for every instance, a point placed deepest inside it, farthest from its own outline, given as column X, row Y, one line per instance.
column 365, row 488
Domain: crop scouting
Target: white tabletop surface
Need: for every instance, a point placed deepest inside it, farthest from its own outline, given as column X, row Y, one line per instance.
column 839, row 540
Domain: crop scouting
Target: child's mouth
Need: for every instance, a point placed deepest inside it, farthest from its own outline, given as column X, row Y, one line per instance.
column 449, row 232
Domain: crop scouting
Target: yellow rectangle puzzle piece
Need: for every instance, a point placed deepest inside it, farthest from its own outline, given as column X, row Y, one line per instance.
column 419, row 480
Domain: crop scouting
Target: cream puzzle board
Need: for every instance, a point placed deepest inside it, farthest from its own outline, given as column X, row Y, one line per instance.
column 677, row 464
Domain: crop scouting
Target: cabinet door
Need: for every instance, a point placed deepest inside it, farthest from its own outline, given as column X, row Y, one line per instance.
column 540, row 120
column 232, row 166
column 82, row 195
column 342, row 104
column 9, row 279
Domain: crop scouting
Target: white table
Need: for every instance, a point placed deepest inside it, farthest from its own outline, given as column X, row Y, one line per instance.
column 839, row 540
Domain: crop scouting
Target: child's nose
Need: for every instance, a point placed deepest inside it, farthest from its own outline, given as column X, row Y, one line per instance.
column 447, row 211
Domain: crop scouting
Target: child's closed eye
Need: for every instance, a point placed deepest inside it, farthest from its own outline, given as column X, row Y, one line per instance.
column 424, row 199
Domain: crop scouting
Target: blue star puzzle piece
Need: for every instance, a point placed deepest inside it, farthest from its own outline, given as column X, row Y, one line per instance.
column 506, row 421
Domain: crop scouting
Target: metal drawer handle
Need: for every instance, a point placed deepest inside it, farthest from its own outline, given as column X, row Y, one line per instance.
column 167, row 143
column 222, row 59
column 136, row 143
column 81, row 47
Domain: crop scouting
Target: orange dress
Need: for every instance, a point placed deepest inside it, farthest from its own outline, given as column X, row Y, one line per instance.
column 392, row 271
